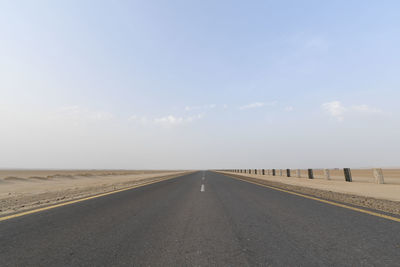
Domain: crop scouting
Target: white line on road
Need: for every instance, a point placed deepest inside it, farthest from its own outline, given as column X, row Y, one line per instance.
column 202, row 188
column 203, row 178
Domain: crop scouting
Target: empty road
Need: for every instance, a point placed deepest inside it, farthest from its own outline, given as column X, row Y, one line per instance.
column 201, row 219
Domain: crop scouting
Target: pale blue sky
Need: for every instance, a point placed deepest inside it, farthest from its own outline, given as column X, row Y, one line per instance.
column 199, row 84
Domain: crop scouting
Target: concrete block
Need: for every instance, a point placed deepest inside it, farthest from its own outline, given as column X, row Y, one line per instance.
column 347, row 175
column 378, row 175
column 310, row 174
column 327, row 174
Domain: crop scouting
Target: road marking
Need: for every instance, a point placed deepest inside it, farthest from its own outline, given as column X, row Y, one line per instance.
column 202, row 189
column 82, row 199
column 323, row 200
column 203, row 178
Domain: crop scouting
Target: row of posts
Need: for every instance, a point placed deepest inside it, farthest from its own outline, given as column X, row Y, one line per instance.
column 378, row 175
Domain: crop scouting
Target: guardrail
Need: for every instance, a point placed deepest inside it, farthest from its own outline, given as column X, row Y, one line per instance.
column 377, row 173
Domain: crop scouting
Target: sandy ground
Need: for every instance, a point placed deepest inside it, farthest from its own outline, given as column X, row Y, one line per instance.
column 22, row 190
column 385, row 197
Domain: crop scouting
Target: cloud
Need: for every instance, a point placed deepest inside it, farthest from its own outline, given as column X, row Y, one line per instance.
column 204, row 107
column 140, row 119
column 172, row 120
column 366, row 109
column 256, row 105
column 337, row 110
column 193, row 118
column 289, row 109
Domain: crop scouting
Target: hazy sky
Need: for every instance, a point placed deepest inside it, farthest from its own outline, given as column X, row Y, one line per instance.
column 199, row 84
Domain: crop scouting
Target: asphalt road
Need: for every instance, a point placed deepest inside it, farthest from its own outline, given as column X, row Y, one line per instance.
column 174, row 223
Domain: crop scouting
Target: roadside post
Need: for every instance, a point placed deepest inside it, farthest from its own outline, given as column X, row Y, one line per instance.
column 310, row 174
column 327, row 174
column 378, row 175
column 347, row 175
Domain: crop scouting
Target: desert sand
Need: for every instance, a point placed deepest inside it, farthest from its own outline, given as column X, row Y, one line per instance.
column 22, row 190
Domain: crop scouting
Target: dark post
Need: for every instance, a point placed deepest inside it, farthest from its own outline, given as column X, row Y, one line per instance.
column 288, row 172
column 255, row 171
column 347, row 175
column 263, row 172
column 273, row 172
column 249, row 171
column 310, row 174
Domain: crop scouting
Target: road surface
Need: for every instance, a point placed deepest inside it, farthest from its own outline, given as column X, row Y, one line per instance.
column 201, row 219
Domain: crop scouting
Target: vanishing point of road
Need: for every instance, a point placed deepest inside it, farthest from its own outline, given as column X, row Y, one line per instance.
column 199, row 219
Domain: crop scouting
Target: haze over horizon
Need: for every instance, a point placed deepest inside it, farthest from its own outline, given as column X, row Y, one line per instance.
column 199, row 84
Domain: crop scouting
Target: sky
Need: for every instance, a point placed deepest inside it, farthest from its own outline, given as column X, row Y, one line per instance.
column 199, row 84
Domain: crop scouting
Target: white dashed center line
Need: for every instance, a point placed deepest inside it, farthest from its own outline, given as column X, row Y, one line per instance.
column 202, row 189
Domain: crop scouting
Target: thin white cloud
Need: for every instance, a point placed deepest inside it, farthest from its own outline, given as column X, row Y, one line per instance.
column 256, row 105
column 366, row 109
column 140, row 119
column 203, row 107
column 337, row 110
column 289, row 109
column 172, row 120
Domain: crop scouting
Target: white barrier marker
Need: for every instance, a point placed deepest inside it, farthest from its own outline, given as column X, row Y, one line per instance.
column 378, row 175
column 298, row 173
column 327, row 174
